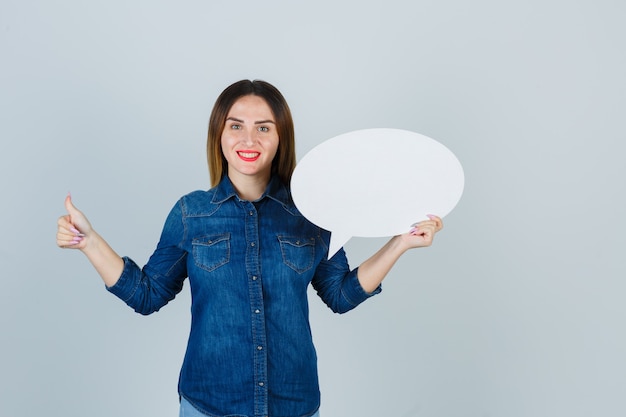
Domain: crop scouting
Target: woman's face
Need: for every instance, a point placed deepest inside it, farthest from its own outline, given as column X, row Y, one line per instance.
column 250, row 139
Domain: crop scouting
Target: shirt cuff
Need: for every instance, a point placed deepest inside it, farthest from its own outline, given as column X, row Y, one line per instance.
column 128, row 282
column 354, row 292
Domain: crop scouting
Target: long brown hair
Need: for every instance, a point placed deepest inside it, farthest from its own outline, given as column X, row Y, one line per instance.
column 285, row 160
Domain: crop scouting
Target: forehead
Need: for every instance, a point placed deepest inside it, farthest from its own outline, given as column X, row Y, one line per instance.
column 251, row 106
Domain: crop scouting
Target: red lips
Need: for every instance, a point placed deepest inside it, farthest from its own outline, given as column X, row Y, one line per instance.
column 248, row 156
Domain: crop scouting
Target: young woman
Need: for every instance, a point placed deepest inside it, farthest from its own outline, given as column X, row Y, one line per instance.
column 249, row 256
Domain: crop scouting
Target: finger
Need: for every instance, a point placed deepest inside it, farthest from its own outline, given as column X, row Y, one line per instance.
column 66, row 227
column 69, row 241
column 67, row 233
column 423, row 230
column 63, row 233
column 422, row 238
column 437, row 220
column 425, row 223
column 72, row 245
column 64, row 221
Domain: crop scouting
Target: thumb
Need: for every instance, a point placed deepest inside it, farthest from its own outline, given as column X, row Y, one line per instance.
column 76, row 217
column 69, row 206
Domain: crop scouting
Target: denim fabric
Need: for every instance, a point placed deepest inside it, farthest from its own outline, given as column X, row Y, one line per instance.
column 188, row 410
column 250, row 350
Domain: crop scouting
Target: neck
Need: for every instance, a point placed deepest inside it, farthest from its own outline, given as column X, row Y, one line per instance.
column 249, row 188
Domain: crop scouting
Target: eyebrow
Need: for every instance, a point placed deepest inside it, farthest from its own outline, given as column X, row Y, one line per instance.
column 259, row 122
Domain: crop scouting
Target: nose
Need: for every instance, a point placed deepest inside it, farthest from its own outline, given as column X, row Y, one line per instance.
column 249, row 138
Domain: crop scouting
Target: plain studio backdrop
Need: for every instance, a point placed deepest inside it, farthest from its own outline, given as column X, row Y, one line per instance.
column 516, row 310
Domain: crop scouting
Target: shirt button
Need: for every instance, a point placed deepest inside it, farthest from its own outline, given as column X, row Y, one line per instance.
column 251, row 213
column 257, row 311
column 252, row 244
column 261, row 384
column 259, row 347
column 254, row 278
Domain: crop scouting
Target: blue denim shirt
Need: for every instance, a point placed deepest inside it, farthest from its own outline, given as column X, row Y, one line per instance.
column 250, row 350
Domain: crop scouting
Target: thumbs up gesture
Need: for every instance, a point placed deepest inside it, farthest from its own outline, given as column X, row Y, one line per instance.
column 74, row 228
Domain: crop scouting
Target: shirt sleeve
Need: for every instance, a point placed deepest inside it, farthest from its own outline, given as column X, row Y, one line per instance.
column 339, row 287
column 148, row 289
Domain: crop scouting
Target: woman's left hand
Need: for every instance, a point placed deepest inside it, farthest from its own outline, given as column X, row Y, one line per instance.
column 423, row 233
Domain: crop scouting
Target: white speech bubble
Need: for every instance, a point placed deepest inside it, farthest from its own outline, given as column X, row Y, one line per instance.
column 375, row 183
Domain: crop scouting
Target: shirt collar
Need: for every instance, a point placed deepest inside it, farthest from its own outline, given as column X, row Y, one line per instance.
column 275, row 190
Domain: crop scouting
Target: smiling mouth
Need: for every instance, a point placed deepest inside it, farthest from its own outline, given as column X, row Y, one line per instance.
column 248, row 156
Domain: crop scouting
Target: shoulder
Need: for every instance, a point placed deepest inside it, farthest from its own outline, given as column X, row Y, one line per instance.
column 200, row 195
column 197, row 202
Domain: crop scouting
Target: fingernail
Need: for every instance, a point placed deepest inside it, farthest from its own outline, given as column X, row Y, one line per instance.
column 77, row 239
column 414, row 230
column 75, row 231
column 414, row 224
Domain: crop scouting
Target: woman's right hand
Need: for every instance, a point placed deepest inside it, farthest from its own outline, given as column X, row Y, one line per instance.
column 74, row 229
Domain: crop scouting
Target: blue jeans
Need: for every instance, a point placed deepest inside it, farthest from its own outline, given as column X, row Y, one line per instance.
column 188, row 410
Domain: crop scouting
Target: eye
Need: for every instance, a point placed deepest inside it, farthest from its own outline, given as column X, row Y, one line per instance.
column 263, row 129
column 235, row 126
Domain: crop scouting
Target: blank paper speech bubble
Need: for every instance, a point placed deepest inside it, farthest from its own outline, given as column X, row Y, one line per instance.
column 375, row 183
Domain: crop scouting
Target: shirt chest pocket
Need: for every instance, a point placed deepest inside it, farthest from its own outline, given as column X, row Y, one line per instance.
column 298, row 252
column 211, row 252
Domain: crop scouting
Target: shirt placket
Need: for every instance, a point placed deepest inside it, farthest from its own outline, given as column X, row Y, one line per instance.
column 257, row 317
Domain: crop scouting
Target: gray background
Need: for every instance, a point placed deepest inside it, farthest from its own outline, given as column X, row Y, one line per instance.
column 517, row 310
